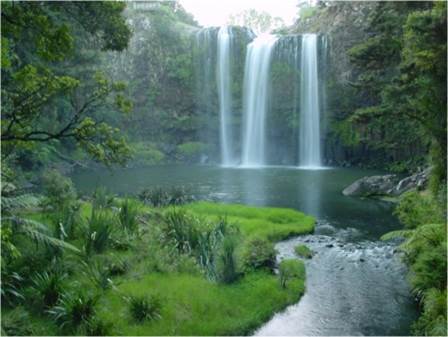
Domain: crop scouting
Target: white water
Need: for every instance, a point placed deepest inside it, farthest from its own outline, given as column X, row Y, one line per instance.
column 255, row 98
column 224, row 94
column 309, row 132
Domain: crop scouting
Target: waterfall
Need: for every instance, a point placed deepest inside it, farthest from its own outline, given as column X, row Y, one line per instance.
column 225, row 97
column 309, row 129
column 204, row 60
column 255, row 99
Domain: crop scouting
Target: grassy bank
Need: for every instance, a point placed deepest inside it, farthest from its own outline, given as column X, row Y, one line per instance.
column 134, row 269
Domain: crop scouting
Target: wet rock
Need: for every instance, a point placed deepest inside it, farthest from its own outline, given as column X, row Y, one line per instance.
column 329, row 245
column 389, row 185
column 373, row 185
column 361, row 260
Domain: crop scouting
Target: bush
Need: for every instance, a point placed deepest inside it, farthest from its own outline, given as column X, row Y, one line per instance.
column 118, row 266
column 181, row 229
column 147, row 154
column 158, row 197
column 432, row 321
column 73, row 310
column 290, row 269
column 127, row 216
column 190, row 152
column 101, row 199
column 416, row 209
column 226, row 264
column 99, row 230
column 303, row 251
column 16, row 323
column 145, row 307
column 98, row 274
column 59, row 190
column 48, row 287
column 259, row 253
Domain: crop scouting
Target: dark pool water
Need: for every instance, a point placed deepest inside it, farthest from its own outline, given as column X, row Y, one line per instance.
column 355, row 284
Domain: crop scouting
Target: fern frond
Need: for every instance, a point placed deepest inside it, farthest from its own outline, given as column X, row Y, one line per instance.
column 19, row 203
column 404, row 233
column 39, row 233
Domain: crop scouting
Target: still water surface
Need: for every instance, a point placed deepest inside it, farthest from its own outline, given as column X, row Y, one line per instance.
column 355, row 284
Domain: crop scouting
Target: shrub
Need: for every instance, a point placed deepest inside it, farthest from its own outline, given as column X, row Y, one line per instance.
column 127, row 216
column 66, row 221
column 101, row 199
column 416, row 209
column 156, row 197
column 303, row 251
column 290, row 269
column 145, row 307
column 99, row 230
column 59, row 190
column 73, row 310
column 147, row 154
column 181, row 229
column 98, row 327
column 16, row 323
column 258, row 253
column 159, row 197
column 48, row 287
column 432, row 322
column 98, row 273
column 118, row 266
column 226, row 264
column 190, row 151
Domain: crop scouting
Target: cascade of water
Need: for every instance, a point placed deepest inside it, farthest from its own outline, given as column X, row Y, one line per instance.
column 255, row 98
column 309, row 131
column 204, row 75
column 224, row 72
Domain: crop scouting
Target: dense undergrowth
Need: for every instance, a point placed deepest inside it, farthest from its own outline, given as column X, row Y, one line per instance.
column 120, row 266
column 424, row 218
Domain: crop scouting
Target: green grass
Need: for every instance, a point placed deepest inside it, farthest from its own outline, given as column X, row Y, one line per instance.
column 192, row 305
column 303, row 251
column 273, row 224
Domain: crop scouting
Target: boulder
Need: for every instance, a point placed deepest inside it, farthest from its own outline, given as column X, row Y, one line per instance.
column 387, row 185
column 373, row 185
column 418, row 181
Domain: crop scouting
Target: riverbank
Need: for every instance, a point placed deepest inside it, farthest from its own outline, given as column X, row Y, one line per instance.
column 195, row 269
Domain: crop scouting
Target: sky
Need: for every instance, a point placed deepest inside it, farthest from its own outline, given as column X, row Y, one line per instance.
column 217, row 12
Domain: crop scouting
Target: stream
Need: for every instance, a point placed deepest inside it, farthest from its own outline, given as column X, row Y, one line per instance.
column 356, row 284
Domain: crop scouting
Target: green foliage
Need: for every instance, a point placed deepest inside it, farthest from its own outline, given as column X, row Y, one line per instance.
column 190, row 152
column 258, row 253
column 98, row 273
column 99, row 231
column 146, row 154
column 303, row 251
column 145, row 308
column 432, row 322
column 128, row 215
column 16, row 322
column 101, row 199
column 290, row 269
column 59, row 190
column 193, row 305
column 73, row 310
column 160, row 197
column 226, row 265
column 415, row 209
column 272, row 224
column 45, row 96
column 48, row 286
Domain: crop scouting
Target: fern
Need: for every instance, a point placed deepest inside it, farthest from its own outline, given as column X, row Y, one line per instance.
column 19, row 203
column 404, row 233
column 38, row 233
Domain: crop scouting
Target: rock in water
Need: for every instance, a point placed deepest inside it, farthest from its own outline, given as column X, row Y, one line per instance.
column 374, row 185
column 387, row 185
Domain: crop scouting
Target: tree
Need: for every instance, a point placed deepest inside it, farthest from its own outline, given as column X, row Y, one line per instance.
column 42, row 100
column 259, row 22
